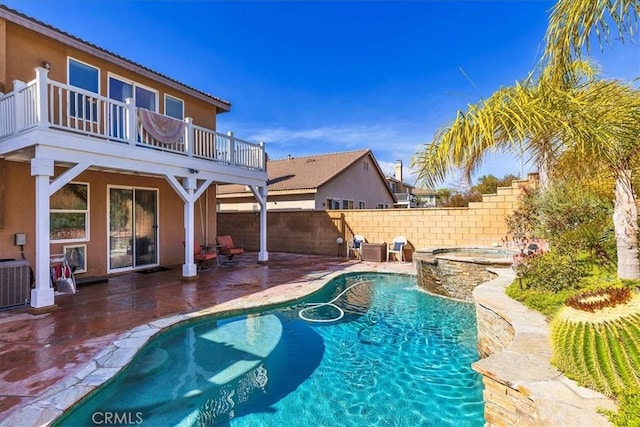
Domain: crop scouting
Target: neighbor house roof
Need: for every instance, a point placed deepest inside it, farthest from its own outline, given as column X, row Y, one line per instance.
column 297, row 175
column 76, row 42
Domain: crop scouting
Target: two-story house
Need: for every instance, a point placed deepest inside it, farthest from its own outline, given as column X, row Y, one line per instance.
column 346, row 180
column 106, row 159
column 407, row 195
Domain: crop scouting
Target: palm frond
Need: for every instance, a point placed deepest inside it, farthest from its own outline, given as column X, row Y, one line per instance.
column 573, row 22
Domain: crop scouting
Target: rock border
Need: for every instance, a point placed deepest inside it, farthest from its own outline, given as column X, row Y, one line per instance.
column 521, row 387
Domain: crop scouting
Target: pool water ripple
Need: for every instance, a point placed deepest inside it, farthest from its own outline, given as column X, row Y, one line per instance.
column 398, row 357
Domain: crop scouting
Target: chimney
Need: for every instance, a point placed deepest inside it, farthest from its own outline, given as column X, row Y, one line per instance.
column 398, row 174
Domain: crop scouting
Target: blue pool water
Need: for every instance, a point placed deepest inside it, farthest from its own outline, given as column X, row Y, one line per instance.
column 398, row 357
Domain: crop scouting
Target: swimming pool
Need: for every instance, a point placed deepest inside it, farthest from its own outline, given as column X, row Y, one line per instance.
column 398, row 357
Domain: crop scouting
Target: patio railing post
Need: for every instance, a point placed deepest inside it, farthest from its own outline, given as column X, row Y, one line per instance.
column 18, row 86
column 42, row 104
column 130, row 120
column 232, row 148
column 189, row 139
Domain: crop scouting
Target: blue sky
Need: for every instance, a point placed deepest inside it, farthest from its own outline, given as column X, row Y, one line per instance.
column 319, row 77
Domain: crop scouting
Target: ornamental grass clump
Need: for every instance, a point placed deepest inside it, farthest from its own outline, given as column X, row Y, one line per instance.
column 596, row 340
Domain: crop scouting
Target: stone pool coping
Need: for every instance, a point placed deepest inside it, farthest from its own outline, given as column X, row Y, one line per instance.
column 452, row 253
column 52, row 403
column 524, row 367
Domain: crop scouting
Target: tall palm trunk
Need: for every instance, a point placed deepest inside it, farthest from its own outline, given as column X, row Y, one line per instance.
column 625, row 222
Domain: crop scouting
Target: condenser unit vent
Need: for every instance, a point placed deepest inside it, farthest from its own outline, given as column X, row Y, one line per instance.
column 15, row 283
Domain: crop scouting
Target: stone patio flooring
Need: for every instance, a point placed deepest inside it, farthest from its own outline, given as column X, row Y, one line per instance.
column 98, row 330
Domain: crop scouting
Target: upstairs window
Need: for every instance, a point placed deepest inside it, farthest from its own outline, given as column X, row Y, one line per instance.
column 361, row 205
column 173, row 107
column 83, row 76
column 347, row 204
column 145, row 98
column 121, row 89
column 333, row 204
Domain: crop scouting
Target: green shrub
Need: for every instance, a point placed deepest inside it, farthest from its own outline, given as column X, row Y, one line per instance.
column 553, row 271
column 596, row 238
column 547, row 303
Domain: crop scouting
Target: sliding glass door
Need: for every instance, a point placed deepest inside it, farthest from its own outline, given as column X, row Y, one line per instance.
column 133, row 228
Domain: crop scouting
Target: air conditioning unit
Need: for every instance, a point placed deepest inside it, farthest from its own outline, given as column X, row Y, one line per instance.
column 15, row 283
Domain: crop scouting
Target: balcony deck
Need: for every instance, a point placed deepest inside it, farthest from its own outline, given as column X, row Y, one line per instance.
column 46, row 104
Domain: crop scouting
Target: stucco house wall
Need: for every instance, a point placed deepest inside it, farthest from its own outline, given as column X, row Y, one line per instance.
column 21, row 50
column 19, row 199
column 48, row 142
column 360, row 182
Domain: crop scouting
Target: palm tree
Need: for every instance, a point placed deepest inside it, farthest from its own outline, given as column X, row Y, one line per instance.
column 563, row 114
column 571, row 24
column 588, row 121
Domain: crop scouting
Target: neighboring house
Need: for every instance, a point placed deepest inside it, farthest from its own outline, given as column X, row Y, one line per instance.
column 407, row 195
column 348, row 180
column 107, row 160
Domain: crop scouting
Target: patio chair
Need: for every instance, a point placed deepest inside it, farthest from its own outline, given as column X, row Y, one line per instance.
column 202, row 255
column 396, row 247
column 228, row 249
column 356, row 245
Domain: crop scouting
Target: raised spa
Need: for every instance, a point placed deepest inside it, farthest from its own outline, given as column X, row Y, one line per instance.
column 455, row 272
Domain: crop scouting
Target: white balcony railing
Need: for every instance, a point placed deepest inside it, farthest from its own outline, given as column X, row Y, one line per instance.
column 49, row 104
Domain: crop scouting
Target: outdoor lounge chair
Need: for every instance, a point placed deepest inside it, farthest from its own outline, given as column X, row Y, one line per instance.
column 228, row 249
column 356, row 245
column 202, row 255
column 397, row 248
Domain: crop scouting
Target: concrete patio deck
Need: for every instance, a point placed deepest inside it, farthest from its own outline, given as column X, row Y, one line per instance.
column 43, row 354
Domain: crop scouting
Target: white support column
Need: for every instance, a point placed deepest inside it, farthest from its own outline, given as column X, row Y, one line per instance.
column 42, row 296
column 42, row 103
column 189, row 268
column 189, row 136
column 263, row 255
column 131, row 121
column 260, row 193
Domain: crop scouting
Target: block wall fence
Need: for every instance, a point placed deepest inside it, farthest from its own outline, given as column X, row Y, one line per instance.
column 315, row 232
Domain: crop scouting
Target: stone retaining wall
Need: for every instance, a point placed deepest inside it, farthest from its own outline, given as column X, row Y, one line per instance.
column 455, row 272
column 450, row 278
column 494, row 332
column 521, row 387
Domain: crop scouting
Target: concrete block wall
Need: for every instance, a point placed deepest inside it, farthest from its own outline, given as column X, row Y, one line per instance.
column 315, row 232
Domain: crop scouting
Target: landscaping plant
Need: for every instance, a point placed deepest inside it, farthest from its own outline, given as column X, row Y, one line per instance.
column 596, row 340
